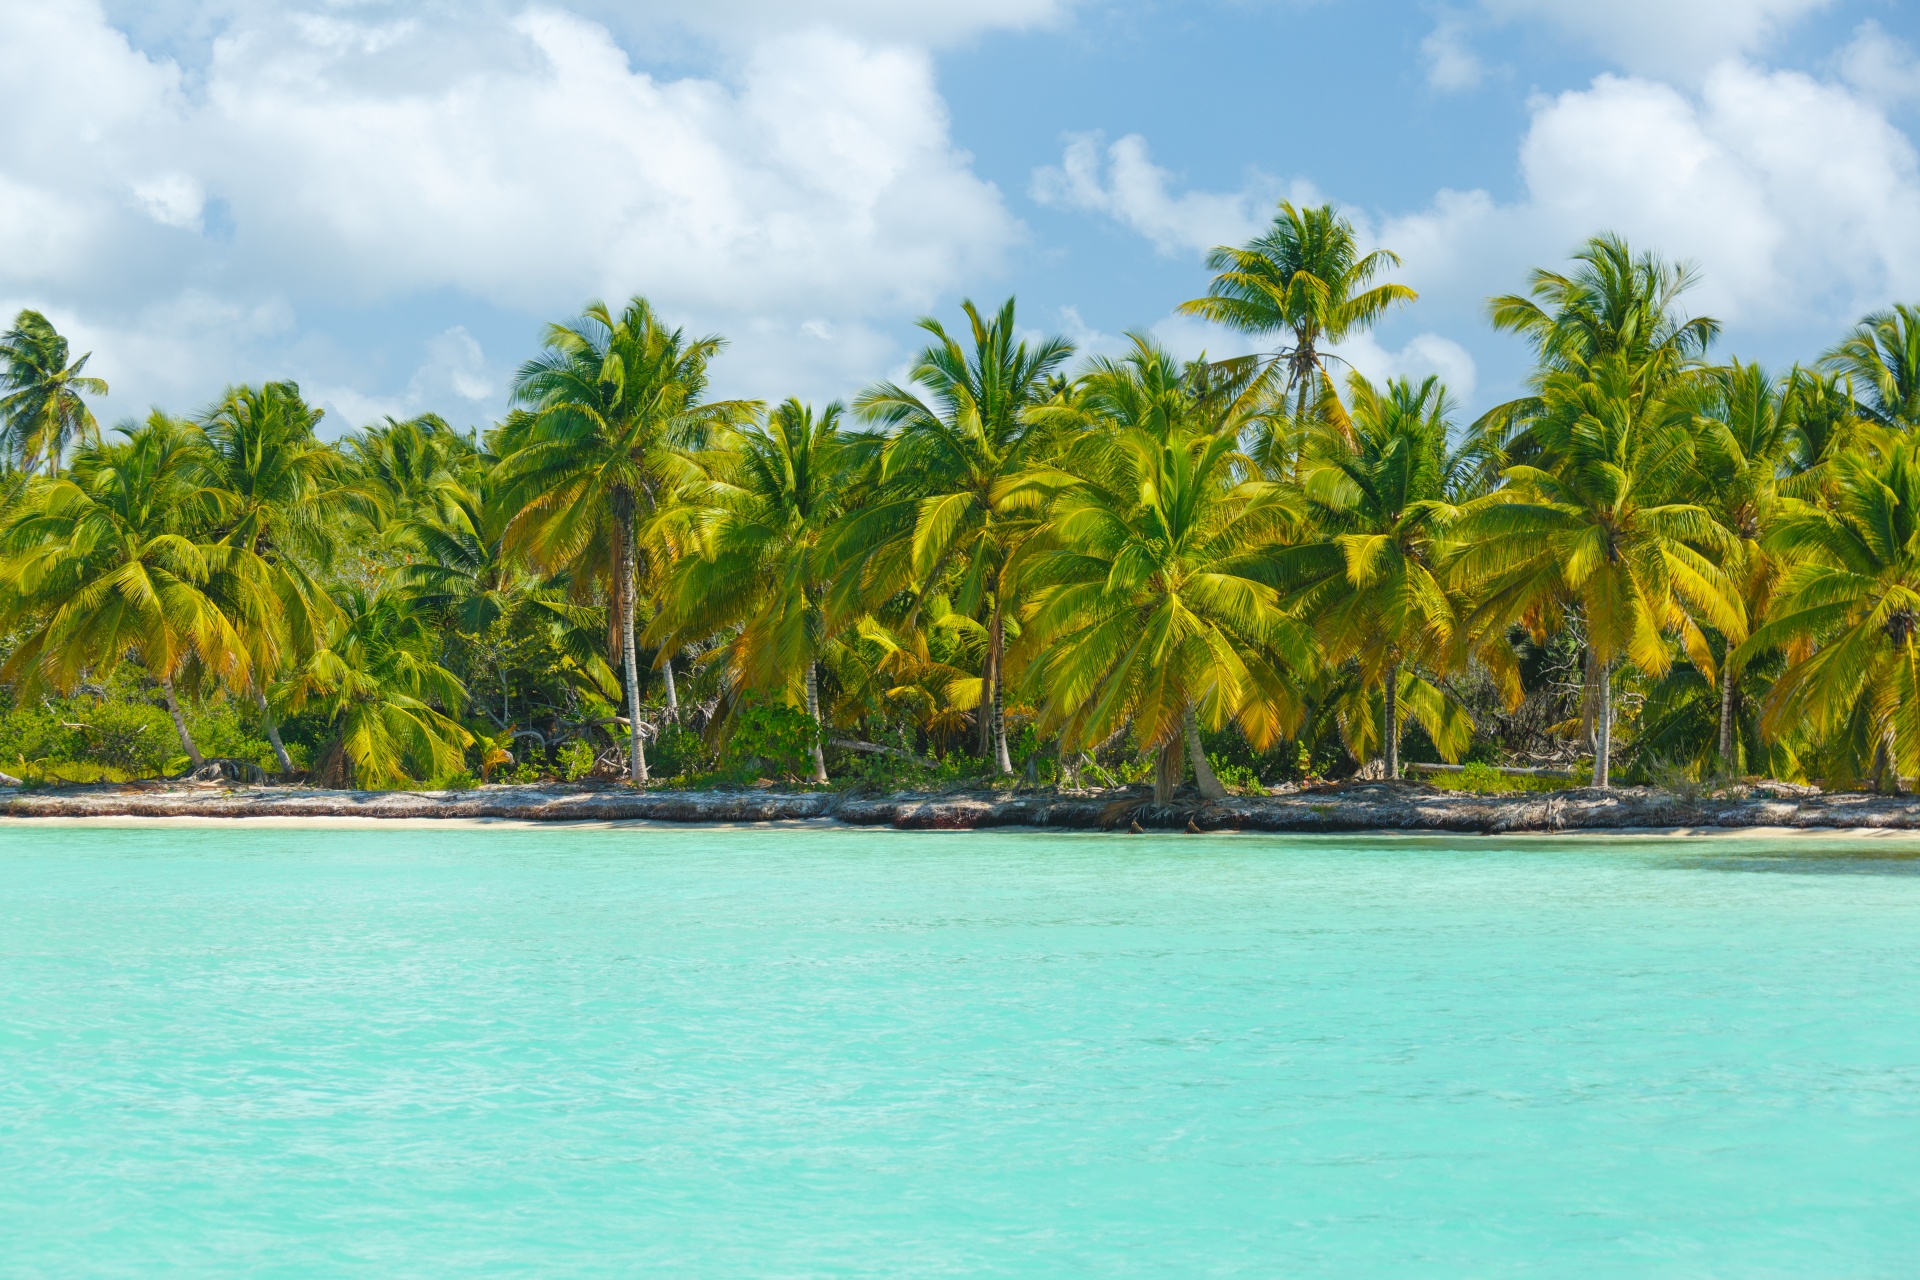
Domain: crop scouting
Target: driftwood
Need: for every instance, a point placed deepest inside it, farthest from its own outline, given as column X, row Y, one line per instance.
column 1376, row 806
column 1504, row 770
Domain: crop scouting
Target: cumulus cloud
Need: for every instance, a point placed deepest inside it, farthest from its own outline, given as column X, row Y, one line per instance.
column 1660, row 36
column 352, row 157
column 1123, row 182
column 1796, row 198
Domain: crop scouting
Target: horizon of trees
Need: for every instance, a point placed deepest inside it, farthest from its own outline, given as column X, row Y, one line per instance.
column 1253, row 569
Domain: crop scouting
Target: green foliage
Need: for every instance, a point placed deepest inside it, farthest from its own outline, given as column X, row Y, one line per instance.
column 576, row 760
column 770, row 738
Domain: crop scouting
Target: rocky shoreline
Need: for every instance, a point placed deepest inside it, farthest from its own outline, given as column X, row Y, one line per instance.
column 1362, row 806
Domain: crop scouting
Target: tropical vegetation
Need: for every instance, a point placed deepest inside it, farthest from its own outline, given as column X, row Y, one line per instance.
column 1016, row 564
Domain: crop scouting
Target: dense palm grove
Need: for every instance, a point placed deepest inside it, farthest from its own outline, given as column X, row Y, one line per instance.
column 1251, row 570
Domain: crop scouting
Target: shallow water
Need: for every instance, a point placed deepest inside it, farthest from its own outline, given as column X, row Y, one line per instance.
column 699, row 1052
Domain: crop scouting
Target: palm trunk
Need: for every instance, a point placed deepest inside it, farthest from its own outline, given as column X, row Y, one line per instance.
column 813, row 712
column 273, row 733
column 1886, row 766
column 1603, row 730
column 1203, row 774
column 1727, row 765
column 1391, row 722
column 1002, row 762
column 636, row 750
column 673, row 697
column 1167, row 769
column 983, row 715
column 180, row 725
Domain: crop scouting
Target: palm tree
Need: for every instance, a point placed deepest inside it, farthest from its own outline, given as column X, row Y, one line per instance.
column 1154, row 599
column 1608, row 531
column 1881, row 357
column 1847, row 612
column 113, row 560
column 954, row 462
column 1746, row 439
column 1371, row 581
column 1306, row 278
column 275, row 489
column 41, row 410
column 610, row 409
column 761, row 573
column 377, row 681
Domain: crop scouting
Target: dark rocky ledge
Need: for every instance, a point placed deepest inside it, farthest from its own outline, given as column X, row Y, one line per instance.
column 1371, row 806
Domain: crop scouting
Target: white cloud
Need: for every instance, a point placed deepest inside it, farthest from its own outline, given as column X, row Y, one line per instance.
column 1662, row 36
column 1793, row 195
column 1125, row 184
column 1452, row 64
column 1881, row 66
column 342, row 158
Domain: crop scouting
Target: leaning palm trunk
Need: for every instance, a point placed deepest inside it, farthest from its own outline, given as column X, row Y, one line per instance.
column 1603, row 727
column 1203, row 774
column 1391, row 721
column 636, row 751
column 273, row 733
column 1002, row 761
column 673, row 697
column 180, row 724
column 813, row 713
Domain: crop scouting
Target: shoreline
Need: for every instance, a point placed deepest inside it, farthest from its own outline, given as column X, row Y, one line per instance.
column 1406, row 807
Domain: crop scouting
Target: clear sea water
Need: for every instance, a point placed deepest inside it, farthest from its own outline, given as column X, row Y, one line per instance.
column 769, row 1053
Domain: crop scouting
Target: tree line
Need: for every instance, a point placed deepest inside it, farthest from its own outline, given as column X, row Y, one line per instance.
column 1248, row 569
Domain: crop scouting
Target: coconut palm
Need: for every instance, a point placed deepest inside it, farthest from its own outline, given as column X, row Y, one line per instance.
column 388, row 701
column 42, row 411
column 1609, row 531
column 610, row 408
column 114, row 559
column 1847, row 613
column 1746, row 438
column 1307, row 279
column 950, row 501
column 761, row 571
column 1153, row 600
column 1615, row 305
column 1371, row 580
column 1881, row 359
column 275, row 489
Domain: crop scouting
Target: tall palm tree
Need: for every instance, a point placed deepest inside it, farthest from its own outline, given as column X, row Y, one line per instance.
column 761, row 571
column 41, row 407
column 1609, row 531
column 952, row 502
column 114, row 560
column 1371, row 580
column 1881, row 357
column 1848, row 611
column 275, row 489
column 1154, row 588
column 610, row 409
column 377, row 681
column 1306, row 278
column 1746, row 439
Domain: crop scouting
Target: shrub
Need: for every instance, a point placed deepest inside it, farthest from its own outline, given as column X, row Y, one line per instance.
column 1239, row 776
column 770, row 737
column 458, row 781
column 134, row 738
column 576, row 760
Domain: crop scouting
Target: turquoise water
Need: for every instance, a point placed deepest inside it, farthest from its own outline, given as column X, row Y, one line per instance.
column 698, row 1052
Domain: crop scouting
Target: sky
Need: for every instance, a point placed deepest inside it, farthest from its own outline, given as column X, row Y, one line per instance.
column 388, row 200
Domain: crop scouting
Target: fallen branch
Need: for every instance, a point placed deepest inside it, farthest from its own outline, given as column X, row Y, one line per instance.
column 875, row 749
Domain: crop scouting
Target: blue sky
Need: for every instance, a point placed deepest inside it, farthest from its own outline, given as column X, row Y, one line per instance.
column 387, row 201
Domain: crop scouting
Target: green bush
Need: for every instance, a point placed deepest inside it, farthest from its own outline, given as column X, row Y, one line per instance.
column 458, row 781
column 576, row 760
column 1240, row 776
column 770, row 737
column 136, row 739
